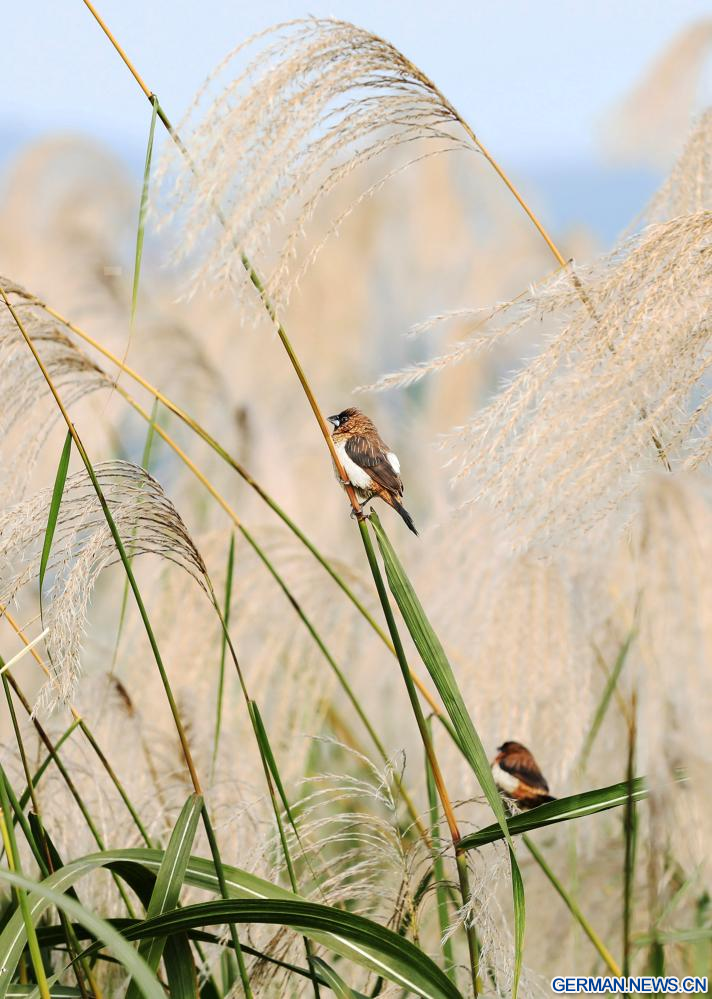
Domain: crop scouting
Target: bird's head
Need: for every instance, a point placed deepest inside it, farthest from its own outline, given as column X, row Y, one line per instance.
column 508, row 747
column 342, row 422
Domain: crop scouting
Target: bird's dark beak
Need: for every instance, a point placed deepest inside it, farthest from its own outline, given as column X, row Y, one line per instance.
column 333, row 420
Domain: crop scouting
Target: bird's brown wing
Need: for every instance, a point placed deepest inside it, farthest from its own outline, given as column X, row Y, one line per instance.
column 520, row 763
column 372, row 456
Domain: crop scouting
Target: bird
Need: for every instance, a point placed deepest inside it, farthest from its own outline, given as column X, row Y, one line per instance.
column 517, row 775
column 370, row 465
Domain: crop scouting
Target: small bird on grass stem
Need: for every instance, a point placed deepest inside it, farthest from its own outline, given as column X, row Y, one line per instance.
column 517, row 775
column 370, row 465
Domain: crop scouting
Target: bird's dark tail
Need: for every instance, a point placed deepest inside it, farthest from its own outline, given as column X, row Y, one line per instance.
column 404, row 514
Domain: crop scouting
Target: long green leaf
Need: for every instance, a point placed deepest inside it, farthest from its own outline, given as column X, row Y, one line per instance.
column 25, row 796
column 169, row 880
column 223, row 648
column 180, row 967
column 336, row 983
column 42, row 892
column 142, row 210
column 575, row 806
column 51, row 936
column 439, row 870
column 603, row 704
column 436, row 662
column 401, row 963
column 674, row 936
column 54, row 506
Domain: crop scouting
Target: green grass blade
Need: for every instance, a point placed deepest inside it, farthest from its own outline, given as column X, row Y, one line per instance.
column 55, row 503
column 223, row 647
column 142, row 210
column 180, row 967
column 169, row 880
column 605, row 701
column 702, row 944
column 436, row 662
column 134, row 964
column 630, row 833
column 701, row 933
column 266, row 750
column 439, row 870
column 39, row 772
column 399, row 960
column 575, row 806
column 335, row 982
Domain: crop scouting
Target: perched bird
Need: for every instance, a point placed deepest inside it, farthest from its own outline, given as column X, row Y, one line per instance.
column 517, row 775
column 370, row 465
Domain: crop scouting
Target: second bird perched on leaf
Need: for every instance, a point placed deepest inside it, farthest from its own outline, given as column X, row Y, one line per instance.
column 370, row 465
column 517, row 775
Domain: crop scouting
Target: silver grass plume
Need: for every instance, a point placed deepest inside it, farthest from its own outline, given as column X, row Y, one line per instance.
column 320, row 98
column 686, row 191
column 567, row 440
column 83, row 546
column 27, row 411
column 351, row 850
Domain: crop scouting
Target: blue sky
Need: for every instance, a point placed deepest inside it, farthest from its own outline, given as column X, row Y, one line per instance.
column 535, row 78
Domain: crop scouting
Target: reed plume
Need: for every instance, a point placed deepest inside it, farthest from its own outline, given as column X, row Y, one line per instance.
column 564, row 444
column 320, row 98
column 83, row 546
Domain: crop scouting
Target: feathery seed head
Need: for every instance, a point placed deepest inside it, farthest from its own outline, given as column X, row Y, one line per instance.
column 320, row 98
column 565, row 443
column 82, row 546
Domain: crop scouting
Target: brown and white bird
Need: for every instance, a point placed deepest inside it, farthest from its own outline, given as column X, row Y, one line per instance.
column 370, row 465
column 517, row 775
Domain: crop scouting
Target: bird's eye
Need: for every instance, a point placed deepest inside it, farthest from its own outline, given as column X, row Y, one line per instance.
column 342, row 420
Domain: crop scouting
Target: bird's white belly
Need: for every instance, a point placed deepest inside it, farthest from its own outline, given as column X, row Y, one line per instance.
column 504, row 781
column 357, row 476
